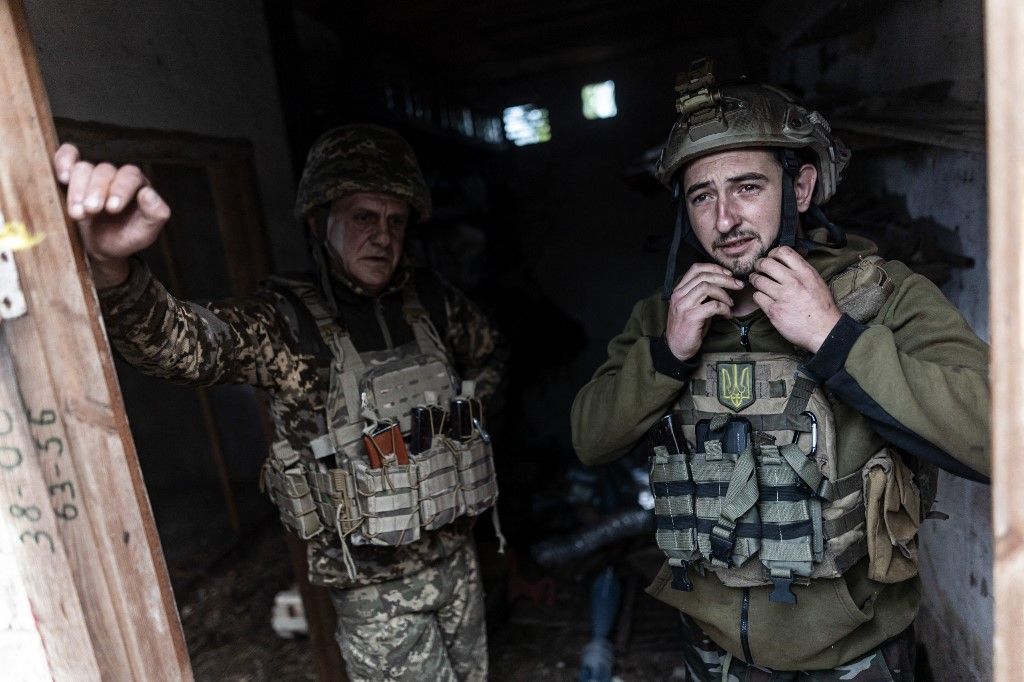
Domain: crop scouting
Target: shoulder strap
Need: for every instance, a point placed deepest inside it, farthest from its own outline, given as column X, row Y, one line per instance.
column 303, row 307
column 316, row 326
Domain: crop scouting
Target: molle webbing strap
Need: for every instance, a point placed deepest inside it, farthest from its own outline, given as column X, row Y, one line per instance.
column 800, row 395
column 740, row 497
column 833, row 528
column 762, row 389
column 790, row 493
column 438, row 505
column 758, row 422
column 764, row 529
column 805, row 467
column 832, row 566
column 847, row 485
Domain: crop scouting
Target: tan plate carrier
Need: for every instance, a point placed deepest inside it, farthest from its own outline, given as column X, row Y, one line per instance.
column 330, row 486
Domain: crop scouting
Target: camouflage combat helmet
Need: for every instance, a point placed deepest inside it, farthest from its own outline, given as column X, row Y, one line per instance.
column 361, row 158
column 715, row 118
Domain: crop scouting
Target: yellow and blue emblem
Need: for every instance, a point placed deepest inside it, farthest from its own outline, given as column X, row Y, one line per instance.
column 736, row 384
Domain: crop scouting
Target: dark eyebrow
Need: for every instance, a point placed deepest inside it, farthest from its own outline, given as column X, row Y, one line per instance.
column 696, row 186
column 745, row 177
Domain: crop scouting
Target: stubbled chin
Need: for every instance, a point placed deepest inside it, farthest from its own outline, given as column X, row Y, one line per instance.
column 740, row 267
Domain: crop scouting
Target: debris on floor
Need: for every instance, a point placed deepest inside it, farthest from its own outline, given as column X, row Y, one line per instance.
column 226, row 612
column 288, row 618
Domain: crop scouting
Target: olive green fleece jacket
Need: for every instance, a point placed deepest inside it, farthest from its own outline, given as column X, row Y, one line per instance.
column 915, row 376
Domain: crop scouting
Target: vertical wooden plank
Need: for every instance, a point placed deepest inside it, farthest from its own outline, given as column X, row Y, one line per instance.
column 72, row 502
column 41, row 557
column 1004, row 61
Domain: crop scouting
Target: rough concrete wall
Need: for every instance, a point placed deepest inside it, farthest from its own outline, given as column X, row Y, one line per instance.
column 201, row 67
column 932, row 40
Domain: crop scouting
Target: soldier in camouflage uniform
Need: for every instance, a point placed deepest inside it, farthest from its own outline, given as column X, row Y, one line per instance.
column 413, row 611
column 796, row 392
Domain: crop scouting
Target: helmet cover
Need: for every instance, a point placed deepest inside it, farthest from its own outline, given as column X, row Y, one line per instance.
column 361, row 158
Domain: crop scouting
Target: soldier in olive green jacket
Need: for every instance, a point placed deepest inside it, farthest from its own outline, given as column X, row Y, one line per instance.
column 409, row 611
column 887, row 363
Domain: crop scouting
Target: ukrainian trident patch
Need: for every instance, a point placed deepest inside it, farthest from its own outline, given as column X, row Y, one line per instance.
column 736, row 384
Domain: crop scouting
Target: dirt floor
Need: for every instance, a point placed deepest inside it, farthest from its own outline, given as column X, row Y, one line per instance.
column 226, row 613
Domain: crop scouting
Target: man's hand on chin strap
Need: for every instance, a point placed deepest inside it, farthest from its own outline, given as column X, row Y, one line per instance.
column 795, row 298
column 701, row 294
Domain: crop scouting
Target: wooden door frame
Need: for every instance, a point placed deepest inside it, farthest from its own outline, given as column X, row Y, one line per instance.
column 1004, row 75
column 228, row 163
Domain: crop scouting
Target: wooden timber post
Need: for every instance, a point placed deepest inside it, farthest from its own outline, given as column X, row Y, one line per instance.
column 84, row 591
column 1004, row 69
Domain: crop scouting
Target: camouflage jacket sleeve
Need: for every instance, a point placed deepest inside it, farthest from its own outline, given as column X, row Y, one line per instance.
column 475, row 344
column 239, row 341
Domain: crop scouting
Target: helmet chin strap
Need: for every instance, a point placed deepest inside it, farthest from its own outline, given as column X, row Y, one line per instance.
column 677, row 233
column 790, row 217
column 322, row 262
column 790, row 222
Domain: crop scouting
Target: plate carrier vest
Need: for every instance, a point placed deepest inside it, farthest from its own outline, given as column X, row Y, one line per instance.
column 331, row 486
column 746, row 466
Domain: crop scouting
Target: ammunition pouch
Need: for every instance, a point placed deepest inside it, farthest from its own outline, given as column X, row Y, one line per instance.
column 893, row 517
column 390, row 505
column 440, row 491
column 476, row 474
column 284, row 479
column 388, row 499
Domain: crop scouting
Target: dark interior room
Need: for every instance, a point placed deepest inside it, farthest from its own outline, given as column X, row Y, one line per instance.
column 538, row 126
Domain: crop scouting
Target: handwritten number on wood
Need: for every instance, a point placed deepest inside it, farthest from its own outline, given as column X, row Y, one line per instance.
column 10, row 457
column 32, row 513
column 63, row 485
column 44, row 446
column 68, row 512
column 45, row 418
column 37, row 535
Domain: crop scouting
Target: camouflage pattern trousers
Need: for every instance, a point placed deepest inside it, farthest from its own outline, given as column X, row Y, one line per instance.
column 428, row 625
column 893, row 661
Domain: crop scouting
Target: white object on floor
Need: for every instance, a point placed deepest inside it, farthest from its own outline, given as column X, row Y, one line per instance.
column 288, row 618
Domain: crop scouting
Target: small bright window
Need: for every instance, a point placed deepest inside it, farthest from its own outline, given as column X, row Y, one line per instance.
column 599, row 100
column 526, row 124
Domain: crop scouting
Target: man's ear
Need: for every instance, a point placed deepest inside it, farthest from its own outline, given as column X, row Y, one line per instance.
column 803, row 186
